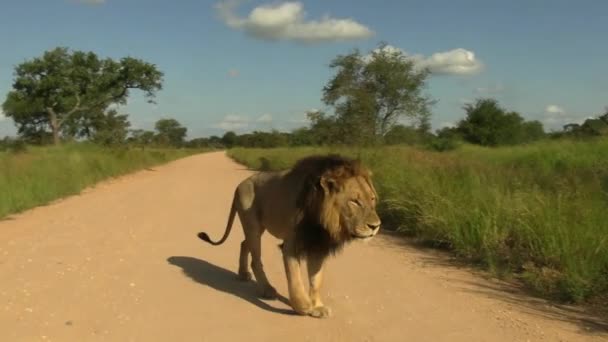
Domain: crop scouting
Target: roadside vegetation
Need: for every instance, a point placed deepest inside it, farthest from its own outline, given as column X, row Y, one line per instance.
column 39, row 175
column 536, row 213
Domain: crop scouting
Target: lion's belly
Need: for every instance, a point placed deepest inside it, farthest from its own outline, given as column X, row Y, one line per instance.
column 277, row 226
column 277, row 220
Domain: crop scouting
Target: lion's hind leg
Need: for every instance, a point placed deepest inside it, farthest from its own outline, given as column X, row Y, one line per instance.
column 253, row 242
column 244, row 273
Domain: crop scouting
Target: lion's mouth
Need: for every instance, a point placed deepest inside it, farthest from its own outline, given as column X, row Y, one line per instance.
column 360, row 236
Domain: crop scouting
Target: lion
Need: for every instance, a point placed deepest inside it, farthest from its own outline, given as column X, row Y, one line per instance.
column 315, row 208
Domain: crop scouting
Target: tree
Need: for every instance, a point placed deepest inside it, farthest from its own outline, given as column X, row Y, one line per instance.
column 229, row 139
column 591, row 127
column 451, row 133
column 369, row 94
column 215, row 142
column 326, row 130
column 424, row 123
column 488, row 124
column 170, row 131
column 301, row 137
column 604, row 117
column 48, row 91
column 141, row 137
column 532, row 131
column 111, row 129
column 595, row 127
column 400, row 134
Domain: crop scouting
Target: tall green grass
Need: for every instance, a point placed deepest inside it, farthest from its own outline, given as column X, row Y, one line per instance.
column 537, row 212
column 43, row 174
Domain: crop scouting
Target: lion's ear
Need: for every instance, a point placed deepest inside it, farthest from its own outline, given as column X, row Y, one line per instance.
column 328, row 184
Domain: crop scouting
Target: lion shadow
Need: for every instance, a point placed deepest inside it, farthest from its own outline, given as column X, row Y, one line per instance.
column 224, row 280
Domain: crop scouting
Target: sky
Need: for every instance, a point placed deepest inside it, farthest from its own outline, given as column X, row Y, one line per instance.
column 259, row 65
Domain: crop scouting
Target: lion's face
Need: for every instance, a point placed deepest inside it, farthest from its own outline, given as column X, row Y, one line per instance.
column 356, row 205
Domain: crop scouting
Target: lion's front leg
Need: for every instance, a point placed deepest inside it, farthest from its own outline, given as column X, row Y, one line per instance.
column 315, row 263
column 298, row 297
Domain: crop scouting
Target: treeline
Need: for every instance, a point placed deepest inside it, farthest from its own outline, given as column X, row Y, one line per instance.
column 486, row 123
column 74, row 95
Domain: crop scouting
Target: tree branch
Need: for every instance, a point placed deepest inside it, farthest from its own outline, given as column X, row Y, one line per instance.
column 387, row 116
column 51, row 111
column 109, row 98
column 72, row 111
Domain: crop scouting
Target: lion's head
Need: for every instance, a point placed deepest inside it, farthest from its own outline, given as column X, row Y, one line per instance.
column 337, row 203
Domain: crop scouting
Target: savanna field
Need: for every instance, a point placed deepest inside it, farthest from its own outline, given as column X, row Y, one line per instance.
column 39, row 175
column 536, row 213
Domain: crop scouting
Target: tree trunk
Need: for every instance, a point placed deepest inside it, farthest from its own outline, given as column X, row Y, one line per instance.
column 54, row 126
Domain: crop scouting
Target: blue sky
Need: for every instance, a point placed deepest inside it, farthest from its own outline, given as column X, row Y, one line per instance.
column 262, row 64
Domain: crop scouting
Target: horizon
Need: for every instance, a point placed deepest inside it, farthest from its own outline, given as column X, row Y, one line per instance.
column 261, row 65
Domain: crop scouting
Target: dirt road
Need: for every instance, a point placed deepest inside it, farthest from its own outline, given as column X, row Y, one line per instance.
column 121, row 262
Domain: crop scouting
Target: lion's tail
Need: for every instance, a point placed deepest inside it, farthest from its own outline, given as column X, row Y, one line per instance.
column 205, row 237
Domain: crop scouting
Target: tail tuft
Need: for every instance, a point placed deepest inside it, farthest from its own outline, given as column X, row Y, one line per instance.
column 203, row 236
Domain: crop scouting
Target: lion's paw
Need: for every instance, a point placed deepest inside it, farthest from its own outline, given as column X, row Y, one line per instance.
column 320, row 312
column 245, row 276
column 269, row 292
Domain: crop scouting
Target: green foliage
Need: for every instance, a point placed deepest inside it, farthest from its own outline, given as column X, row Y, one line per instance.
column 61, row 88
column 369, row 94
column 441, row 144
column 229, row 139
column 44, row 174
column 536, row 212
column 111, row 129
column 263, row 139
column 401, row 134
column 488, row 124
column 170, row 132
column 141, row 137
column 13, row 145
column 326, row 130
column 301, row 137
column 592, row 127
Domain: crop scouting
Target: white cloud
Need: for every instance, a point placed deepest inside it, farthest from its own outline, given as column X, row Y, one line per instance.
column 2, row 116
column 556, row 117
column 554, row 110
column 233, row 73
column 492, row 89
column 456, row 62
column 286, row 21
column 452, row 62
column 266, row 118
column 233, row 123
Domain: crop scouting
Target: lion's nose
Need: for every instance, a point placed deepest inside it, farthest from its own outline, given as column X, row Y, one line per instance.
column 373, row 226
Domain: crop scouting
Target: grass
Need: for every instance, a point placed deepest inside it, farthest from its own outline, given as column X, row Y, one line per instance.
column 43, row 174
column 535, row 212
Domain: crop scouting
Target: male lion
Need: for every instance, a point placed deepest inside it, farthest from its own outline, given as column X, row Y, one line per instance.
column 315, row 208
